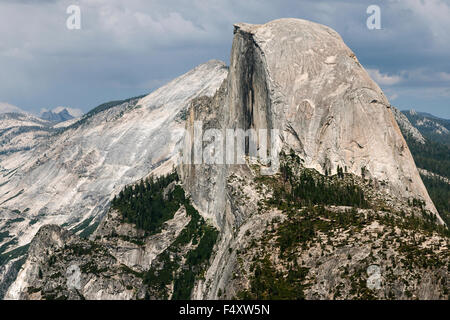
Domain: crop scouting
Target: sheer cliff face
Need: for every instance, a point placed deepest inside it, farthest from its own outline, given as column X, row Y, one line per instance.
column 301, row 78
column 291, row 75
column 69, row 178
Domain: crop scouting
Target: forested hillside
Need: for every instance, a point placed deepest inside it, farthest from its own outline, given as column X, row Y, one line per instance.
column 434, row 157
column 431, row 127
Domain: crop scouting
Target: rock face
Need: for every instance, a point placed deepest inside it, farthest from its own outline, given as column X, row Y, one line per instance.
column 88, row 271
column 329, row 109
column 69, row 178
column 289, row 75
column 72, row 177
column 140, row 254
column 21, row 132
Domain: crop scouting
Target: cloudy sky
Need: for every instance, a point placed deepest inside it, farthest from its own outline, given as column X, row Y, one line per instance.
column 128, row 48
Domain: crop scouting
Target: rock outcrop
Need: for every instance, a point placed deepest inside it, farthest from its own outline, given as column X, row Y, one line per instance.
column 329, row 109
column 365, row 207
column 70, row 177
column 431, row 127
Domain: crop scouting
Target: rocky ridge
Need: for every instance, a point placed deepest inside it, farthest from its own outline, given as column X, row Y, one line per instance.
column 407, row 127
column 338, row 133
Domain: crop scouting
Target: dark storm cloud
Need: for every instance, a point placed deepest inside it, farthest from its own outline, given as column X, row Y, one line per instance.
column 126, row 48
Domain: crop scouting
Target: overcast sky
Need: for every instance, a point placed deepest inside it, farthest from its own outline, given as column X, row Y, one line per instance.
column 128, row 48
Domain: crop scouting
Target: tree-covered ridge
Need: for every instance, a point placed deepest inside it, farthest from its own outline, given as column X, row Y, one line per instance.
column 434, row 157
column 299, row 186
column 268, row 283
column 315, row 227
column 151, row 202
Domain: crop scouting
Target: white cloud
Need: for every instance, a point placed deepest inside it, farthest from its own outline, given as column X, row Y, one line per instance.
column 384, row 79
column 424, row 76
column 435, row 13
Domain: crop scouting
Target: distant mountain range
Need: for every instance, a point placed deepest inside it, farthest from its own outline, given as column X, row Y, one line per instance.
column 57, row 115
column 431, row 127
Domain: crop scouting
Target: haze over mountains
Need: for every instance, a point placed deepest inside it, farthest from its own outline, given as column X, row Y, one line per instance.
column 347, row 197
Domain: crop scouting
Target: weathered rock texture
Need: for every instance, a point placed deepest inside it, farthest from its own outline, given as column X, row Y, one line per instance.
column 324, row 101
column 300, row 78
column 69, row 178
column 108, row 268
